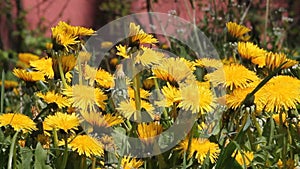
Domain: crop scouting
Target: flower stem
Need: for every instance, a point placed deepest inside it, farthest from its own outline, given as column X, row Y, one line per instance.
column 136, row 89
column 61, row 72
column 12, row 152
column 65, row 157
column 2, row 91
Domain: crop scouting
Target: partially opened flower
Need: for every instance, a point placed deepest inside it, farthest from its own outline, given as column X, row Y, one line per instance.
column 232, row 76
column 18, row 122
column 238, row 31
column 25, row 58
column 200, row 148
column 147, row 132
column 252, row 52
column 122, row 51
column 274, row 60
column 8, row 84
column 63, row 121
column 86, row 145
column 86, row 97
column 29, row 76
column 131, row 163
column 138, row 35
column 52, row 97
column 43, row 65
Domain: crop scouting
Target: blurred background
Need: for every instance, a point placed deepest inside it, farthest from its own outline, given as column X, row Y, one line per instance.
column 25, row 25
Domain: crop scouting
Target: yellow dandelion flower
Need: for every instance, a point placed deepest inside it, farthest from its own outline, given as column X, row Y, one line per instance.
column 148, row 83
column 169, row 70
column 137, row 34
column 52, row 97
column 232, row 76
column 63, row 121
column 68, row 76
column 131, row 163
column 97, row 119
column 18, row 122
column 86, row 145
column 25, row 58
column 82, row 31
column 234, row 100
column 248, row 157
column 89, row 73
column 49, row 45
column 122, row 51
column 196, row 98
column 208, row 63
column 106, row 44
column 68, row 62
column 282, row 93
column 8, row 84
column 171, row 95
column 276, row 118
column 85, row 97
column 43, row 65
column 104, row 79
column 147, row 132
column 148, row 57
column 252, row 52
column 29, row 76
column 84, row 56
column 238, row 31
column 274, row 60
column 128, row 108
column 143, row 93
column 200, row 147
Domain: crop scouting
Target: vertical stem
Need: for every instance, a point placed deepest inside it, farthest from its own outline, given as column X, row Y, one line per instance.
column 61, row 72
column 55, row 142
column 136, row 89
column 2, row 91
column 82, row 163
column 65, row 157
column 93, row 162
column 258, row 128
column 12, row 152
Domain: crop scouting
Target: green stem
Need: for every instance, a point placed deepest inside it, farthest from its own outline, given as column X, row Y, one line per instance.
column 55, row 142
column 137, row 98
column 189, row 146
column 61, row 72
column 2, row 91
column 258, row 128
column 65, row 157
column 93, row 162
column 12, row 152
column 79, row 70
column 83, row 162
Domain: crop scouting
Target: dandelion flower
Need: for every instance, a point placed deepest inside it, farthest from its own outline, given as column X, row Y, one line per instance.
column 169, row 70
column 97, row 119
column 208, row 63
column 248, row 157
column 89, row 73
column 8, row 84
column 52, row 97
column 68, row 62
column 84, row 56
column 25, row 58
column 274, row 60
column 137, row 34
column 63, row 121
column 18, row 122
column 43, row 65
column 85, row 97
column 147, row 132
column 232, row 76
column 86, row 145
column 238, row 31
column 235, row 99
column 196, row 98
column 29, row 76
column 171, row 95
column 128, row 108
column 252, row 52
column 282, row 93
column 148, row 57
column 131, row 163
column 143, row 93
column 200, row 147
column 104, row 79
